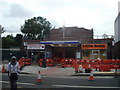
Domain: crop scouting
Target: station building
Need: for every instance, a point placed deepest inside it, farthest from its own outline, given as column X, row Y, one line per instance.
column 117, row 34
column 70, row 42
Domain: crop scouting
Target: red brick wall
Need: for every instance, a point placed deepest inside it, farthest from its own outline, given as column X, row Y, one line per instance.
column 71, row 33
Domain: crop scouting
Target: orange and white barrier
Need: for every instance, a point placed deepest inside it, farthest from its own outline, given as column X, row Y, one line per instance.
column 39, row 79
column 3, row 69
column 91, row 78
column 101, row 65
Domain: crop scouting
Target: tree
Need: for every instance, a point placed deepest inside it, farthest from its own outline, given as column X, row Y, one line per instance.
column 105, row 36
column 37, row 28
column 18, row 39
column 1, row 29
column 8, row 41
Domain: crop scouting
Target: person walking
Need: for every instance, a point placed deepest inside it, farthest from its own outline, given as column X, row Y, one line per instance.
column 13, row 70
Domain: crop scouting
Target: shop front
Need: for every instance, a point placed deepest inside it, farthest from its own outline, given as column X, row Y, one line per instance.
column 94, row 51
column 62, row 49
column 35, row 51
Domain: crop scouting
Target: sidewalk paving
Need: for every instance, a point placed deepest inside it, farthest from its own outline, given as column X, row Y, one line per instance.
column 48, row 70
column 57, row 70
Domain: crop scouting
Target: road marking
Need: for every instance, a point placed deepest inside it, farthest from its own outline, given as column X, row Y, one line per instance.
column 19, row 83
column 70, row 86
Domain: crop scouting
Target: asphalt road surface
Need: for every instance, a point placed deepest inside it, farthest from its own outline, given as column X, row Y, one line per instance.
column 56, row 82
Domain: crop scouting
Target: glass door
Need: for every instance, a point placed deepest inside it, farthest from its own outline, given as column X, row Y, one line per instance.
column 95, row 54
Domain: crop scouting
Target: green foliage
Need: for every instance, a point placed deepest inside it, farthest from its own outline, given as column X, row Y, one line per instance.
column 18, row 39
column 2, row 30
column 37, row 28
column 10, row 41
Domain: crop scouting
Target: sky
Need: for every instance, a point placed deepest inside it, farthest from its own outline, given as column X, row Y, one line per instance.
column 97, row 14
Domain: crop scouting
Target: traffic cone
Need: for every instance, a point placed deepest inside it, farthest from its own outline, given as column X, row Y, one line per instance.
column 39, row 79
column 3, row 69
column 91, row 78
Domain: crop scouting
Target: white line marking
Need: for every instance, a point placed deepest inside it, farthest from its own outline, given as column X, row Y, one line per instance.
column 19, row 83
column 83, row 86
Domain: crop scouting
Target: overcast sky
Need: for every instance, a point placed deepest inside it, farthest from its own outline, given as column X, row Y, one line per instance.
column 97, row 14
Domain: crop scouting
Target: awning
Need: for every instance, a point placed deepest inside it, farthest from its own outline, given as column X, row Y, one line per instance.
column 59, row 42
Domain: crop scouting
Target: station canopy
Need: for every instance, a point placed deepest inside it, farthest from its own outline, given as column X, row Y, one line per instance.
column 61, row 43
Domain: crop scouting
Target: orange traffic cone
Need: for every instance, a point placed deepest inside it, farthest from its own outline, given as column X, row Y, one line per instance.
column 39, row 79
column 3, row 69
column 91, row 78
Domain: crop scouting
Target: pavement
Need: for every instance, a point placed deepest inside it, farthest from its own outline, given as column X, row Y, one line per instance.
column 58, row 71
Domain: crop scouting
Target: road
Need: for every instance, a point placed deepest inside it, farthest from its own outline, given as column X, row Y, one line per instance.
column 30, row 81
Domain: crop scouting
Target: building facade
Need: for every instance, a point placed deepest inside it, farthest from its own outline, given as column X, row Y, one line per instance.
column 71, row 42
column 117, row 34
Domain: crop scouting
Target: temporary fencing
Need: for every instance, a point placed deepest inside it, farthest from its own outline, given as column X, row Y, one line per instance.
column 67, row 62
column 57, row 61
column 40, row 62
column 102, row 65
column 24, row 61
column 28, row 61
column 49, row 62
column 21, row 62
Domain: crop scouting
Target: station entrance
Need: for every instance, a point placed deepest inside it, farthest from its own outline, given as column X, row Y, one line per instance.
column 64, row 52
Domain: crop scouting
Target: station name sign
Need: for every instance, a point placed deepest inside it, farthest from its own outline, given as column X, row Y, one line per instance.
column 35, row 46
column 94, row 46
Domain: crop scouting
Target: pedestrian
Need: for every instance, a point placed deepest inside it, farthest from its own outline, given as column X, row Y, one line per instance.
column 80, row 69
column 13, row 70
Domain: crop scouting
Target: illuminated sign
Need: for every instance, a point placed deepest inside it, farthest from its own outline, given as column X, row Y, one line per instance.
column 94, row 46
column 35, row 46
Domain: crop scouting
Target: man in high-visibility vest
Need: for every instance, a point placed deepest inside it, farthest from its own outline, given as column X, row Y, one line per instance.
column 13, row 70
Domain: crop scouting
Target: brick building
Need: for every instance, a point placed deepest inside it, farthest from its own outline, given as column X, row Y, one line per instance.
column 68, row 42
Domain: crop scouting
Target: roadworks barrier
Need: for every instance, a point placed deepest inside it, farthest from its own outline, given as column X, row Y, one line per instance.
column 39, row 78
column 3, row 69
column 91, row 78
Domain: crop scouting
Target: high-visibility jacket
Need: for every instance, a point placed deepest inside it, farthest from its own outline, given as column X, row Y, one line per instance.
column 13, row 68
